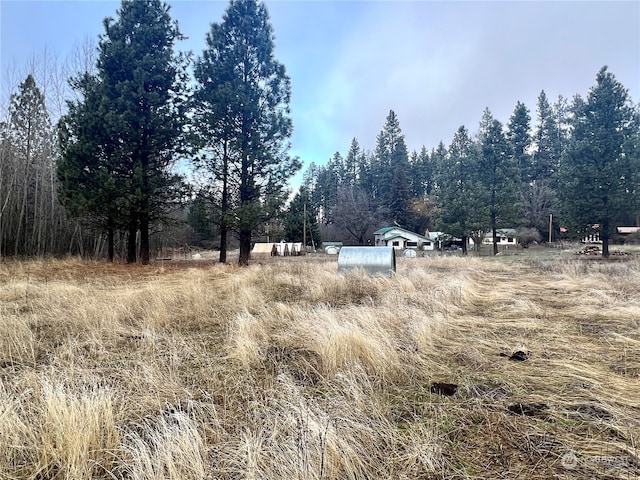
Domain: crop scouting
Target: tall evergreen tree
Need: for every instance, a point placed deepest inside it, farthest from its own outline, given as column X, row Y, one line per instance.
column 92, row 184
column 498, row 176
column 421, row 173
column 536, row 195
column 600, row 168
column 30, row 215
column 366, row 180
column 215, row 125
column 138, row 96
column 255, row 93
column 144, row 82
column 460, row 210
column 438, row 159
column 390, row 153
column 546, row 157
column 352, row 164
column 328, row 182
column 519, row 135
column 561, row 112
column 400, row 197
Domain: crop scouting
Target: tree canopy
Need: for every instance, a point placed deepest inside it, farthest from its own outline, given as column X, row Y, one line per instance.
column 247, row 94
column 600, row 168
column 138, row 111
column 127, row 127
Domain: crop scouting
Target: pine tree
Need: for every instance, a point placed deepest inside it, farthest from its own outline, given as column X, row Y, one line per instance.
column 144, row 83
column 519, row 136
column 421, row 173
column 390, row 152
column 561, row 112
column 135, row 108
column 366, row 180
column 328, row 182
column 498, row 176
column 438, row 159
column 352, row 165
column 599, row 171
column 29, row 212
column 460, row 208
column 250, row 93
column 215, row 124
column 92, row 186
column 546, row 157
column 400, row 196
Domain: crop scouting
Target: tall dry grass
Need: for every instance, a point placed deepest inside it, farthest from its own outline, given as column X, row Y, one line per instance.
column 290, row 370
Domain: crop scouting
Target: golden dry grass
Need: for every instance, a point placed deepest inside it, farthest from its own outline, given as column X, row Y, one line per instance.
column 290, row 370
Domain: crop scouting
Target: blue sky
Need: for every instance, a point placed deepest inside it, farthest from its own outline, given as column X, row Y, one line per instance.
column 436, row 64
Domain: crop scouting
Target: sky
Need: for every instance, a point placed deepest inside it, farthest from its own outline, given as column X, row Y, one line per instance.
column 438, row 65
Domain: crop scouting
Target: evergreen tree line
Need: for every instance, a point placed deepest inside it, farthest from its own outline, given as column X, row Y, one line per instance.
column 112, row 159
column 103, row 180
column 577, row 168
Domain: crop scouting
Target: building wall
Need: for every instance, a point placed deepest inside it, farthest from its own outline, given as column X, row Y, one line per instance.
column 502, row 240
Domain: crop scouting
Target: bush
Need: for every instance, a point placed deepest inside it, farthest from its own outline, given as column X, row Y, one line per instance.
column 528, row 236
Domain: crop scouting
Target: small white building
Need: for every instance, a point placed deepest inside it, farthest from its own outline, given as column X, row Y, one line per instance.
column 506, row 237
column 401, row 239
column 627, row 230
column 331, row 248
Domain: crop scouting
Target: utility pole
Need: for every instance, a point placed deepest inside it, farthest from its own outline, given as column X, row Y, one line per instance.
column 304, row 225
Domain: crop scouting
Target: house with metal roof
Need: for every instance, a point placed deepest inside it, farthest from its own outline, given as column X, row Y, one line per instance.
column 505, row 237
column 401, row 239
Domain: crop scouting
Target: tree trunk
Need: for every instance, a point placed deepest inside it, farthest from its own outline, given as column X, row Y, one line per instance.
column 144, row 239
column 245, row 247
column 605, row 238
column 223, row 241
column 25, row 190
column 131, row 240
column 495, row 240
column 464, row 244
column 110, row 240
column 225, row 205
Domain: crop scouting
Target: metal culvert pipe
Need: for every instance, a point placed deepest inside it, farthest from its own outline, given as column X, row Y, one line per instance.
column 376, row 261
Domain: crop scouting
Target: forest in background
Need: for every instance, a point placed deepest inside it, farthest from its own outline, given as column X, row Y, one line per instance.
column 575, row 164
column 212, row 172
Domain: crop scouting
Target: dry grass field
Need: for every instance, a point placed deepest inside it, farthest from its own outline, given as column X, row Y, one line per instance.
column 457, row 368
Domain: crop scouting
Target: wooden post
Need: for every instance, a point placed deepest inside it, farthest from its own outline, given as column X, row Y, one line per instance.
column 550, row 225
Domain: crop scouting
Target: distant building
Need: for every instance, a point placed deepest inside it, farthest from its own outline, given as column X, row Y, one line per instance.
column 628, row 234
column 627, row 230
column 331, row 248
column 401, row 239
column 505, row 237
column 281, row 249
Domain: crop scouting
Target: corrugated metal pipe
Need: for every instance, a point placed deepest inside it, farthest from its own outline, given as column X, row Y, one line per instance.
column 376, row 261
